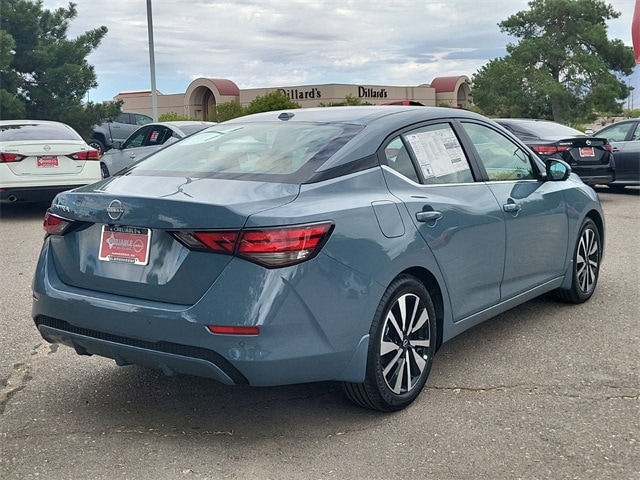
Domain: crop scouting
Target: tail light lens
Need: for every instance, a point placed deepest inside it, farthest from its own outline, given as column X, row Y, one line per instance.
column 55, row 225
column 90, row 154
column 549, row 149
column 271, row 247
column 10, row 157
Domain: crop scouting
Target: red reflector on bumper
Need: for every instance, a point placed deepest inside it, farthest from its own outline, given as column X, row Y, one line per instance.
column 233, row 330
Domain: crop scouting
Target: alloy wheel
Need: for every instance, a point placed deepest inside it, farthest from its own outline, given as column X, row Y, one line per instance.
column 405, row 343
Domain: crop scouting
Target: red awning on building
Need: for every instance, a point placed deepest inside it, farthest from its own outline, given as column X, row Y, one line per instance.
column 635, row 31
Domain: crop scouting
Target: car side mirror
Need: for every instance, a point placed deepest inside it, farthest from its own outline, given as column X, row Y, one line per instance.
column 557, row 170
column 117, row 145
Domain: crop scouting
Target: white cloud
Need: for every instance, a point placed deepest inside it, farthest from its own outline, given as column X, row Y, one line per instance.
column 263, row 43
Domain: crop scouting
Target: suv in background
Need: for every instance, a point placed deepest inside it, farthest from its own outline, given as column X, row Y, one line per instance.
column 105, row 134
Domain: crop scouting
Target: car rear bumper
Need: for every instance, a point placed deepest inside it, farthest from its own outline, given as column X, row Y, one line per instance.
column 595, row 176
column 295, row 344
column 32, row 194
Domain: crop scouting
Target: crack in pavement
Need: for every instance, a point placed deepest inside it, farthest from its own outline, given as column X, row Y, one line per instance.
column 19, row 378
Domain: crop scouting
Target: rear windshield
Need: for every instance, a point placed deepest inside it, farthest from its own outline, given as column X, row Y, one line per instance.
column 269, row 151
column 190, row 129
column 41, row 131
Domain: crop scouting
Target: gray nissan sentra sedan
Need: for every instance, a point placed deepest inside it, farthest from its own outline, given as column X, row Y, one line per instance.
column 318, row 244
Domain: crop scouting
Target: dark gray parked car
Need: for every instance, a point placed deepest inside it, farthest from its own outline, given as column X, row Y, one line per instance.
column 624, row 138
column 590, row 157
column 107, row 133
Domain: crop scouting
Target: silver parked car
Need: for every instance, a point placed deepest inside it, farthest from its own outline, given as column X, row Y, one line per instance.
column 146, row 140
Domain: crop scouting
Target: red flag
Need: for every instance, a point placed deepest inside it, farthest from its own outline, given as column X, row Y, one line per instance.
column 635, row 31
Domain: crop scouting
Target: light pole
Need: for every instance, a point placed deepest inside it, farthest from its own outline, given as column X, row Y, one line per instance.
column 152, row 63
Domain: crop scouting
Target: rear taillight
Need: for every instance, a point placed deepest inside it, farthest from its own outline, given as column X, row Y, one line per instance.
column 271, row 247
column 10, row 157
column 549, row 149
column 55, row 225
column 90, row 154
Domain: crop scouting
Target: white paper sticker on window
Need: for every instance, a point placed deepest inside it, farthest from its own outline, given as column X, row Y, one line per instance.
column 438, row 152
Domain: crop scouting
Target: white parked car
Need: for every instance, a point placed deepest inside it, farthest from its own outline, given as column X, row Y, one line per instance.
column 39, row 159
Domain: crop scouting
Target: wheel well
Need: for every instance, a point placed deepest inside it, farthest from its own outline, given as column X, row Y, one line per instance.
column 597, row 219
column 99, row 136
column 435, row 292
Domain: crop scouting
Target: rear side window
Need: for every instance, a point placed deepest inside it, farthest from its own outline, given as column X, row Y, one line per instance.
column 276, row 149
column 42, row 131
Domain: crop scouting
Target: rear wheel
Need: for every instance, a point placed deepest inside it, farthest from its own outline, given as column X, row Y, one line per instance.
column 401, row 347
column 586, row 265
column 104, row 170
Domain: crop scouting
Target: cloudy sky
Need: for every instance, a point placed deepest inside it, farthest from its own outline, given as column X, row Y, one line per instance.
column 266, row 43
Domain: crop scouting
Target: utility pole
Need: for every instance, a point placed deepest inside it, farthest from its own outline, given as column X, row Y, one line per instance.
column 152, row 63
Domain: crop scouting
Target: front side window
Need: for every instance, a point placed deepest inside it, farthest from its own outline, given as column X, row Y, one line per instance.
column 137, row 138
column 502, row 159
column 142, row 119
column 616, row 133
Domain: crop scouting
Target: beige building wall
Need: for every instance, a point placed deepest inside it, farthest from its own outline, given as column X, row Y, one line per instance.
column 204, row 94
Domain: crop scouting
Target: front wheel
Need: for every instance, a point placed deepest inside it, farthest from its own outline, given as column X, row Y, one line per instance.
column 402, row 344
column 586, row 265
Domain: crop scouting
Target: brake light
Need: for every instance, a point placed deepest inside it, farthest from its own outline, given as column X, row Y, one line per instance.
column 549, row 149
column 90, row 154
column 10, row 157
column 55, row 225
column 271, row 247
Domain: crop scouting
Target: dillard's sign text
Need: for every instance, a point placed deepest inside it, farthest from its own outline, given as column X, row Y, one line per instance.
column 315, row 93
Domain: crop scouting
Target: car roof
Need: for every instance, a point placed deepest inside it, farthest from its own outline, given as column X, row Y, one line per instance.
column 359, row 115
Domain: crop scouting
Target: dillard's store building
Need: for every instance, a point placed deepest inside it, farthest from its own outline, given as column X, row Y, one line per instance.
column 204, row 94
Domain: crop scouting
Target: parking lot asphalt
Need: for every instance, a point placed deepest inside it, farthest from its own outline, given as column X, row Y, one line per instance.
column 545, row 391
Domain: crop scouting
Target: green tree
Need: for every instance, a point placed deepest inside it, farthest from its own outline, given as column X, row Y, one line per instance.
column 227, row 111
column 349, row 100
column 564, row 67
column 44, row 74
column 270, row 102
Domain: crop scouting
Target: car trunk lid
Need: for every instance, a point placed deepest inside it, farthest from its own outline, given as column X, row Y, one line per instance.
column 122, row 243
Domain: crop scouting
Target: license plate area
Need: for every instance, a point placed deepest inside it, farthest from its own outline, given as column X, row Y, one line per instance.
column 125, row 244
column 46, row 162
column 587, row 152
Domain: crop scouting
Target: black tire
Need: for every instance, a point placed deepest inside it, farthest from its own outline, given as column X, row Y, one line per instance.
column 586, row 265
column 104, row 170
column 402, row 344
column 97, row 144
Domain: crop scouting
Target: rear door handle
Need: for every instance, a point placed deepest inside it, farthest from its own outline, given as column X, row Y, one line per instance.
column 428, row 216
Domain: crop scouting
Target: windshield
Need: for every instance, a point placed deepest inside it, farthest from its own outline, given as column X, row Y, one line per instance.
column 277, row 149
